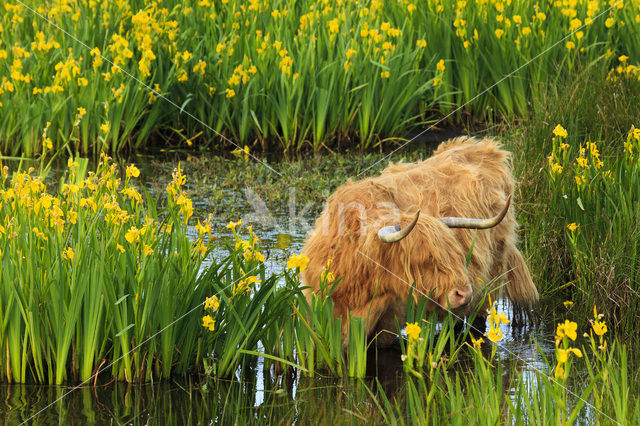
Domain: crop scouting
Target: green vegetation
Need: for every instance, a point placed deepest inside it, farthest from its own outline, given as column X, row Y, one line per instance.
column 485, row 392
column 576, row 157
column 92, row 276
column 97, row 275
column 111, row 76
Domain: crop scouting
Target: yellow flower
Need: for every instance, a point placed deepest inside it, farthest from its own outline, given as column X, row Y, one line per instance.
column 244, row 286
column 477, row 343
column 570, row 45
column 560, row 131
column 421, row 44
column 609, row 22
column 71, row 163
column 501, row 318
column 132, row 171
column 557, row 168
column 132, row 235
column 199, row 246
column 67, row 253
column 72, row 216
column 572, row 226
column 119, row 247
column 599, row 327
column 495, row 335
column 252, row 279
column 241, row 152
column 440, row 66
column 567, row 303
column 575, row 24
column 240, row 243
column 232, row 225
column 200, row 67
column 230, row 93
column 208, row 322
column 568, row 329
column 203, row 229
column 253, row 255
column 499, row 33
column 298, row 261
column 413, row 331
column 384, row 74
column 212, row 303
column 562, row 355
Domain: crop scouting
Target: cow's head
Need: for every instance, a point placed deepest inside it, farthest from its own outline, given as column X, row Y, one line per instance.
column 437, row 256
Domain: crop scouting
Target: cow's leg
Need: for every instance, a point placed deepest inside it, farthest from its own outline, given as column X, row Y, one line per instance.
column 371, row 312
column 520, row 288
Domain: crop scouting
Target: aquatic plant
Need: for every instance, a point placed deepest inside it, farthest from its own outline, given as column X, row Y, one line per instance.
column 246, row 307
column 596, row 196
column 95, row 274
column 281, row 77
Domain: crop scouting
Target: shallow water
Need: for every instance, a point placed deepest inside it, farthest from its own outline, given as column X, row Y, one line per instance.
column 253, row 396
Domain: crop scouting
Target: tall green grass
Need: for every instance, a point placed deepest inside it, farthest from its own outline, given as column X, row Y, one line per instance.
column 95, row 274
column 281, row 76
column 579, row 189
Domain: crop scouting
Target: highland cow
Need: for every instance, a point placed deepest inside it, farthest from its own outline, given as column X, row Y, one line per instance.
column 414, row 225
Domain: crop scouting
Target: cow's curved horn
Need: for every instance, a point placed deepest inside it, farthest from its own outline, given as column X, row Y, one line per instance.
column 392, row 234
column 465, row 222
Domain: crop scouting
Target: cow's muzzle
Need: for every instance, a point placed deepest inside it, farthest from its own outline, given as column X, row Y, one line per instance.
column 459, row 297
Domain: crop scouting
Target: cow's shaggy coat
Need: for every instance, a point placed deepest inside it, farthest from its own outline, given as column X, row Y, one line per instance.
column 465, row 177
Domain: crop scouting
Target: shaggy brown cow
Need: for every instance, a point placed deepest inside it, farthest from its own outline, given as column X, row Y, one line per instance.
column 431, row 200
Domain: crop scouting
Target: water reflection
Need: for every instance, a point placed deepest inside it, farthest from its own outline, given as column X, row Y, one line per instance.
column 256, row 395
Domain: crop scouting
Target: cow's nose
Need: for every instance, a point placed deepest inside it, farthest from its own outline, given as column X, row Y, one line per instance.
column 460, row 296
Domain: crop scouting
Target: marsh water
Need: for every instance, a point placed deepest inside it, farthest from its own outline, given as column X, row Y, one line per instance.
column 255, row 395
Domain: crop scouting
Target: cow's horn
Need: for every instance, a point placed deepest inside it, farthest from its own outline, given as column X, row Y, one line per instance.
column 392, row 234
column 465, row 222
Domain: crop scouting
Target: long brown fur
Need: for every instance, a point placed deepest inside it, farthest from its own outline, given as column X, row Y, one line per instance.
column 465, row 177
